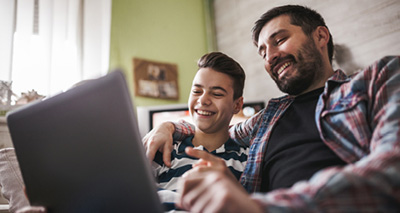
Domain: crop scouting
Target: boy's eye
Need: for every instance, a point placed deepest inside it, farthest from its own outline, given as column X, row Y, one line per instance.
column 218, row 94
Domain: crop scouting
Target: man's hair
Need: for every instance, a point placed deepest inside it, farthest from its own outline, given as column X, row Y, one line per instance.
column 224, row 64
column 304, row 17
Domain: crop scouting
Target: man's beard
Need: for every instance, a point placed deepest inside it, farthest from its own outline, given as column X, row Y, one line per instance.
column 309, row 70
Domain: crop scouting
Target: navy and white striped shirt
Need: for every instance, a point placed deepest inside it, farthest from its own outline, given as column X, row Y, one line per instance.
column 235, row 158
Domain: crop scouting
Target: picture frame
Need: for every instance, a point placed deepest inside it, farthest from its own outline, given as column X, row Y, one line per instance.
column 155, row 79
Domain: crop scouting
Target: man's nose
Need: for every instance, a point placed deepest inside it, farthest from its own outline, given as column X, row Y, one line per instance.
column 272, row 55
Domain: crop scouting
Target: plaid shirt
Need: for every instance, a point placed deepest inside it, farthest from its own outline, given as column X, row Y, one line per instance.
column 358, row 117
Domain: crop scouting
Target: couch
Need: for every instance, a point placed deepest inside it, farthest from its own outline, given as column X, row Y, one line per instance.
column 11, row 183
column 12, row 196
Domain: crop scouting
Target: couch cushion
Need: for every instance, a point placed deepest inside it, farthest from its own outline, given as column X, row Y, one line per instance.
column 12, row 185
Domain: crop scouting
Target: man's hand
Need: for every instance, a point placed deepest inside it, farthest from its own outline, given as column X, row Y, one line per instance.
column 160, row 138
column 213, row 191
column 211, row 187
column 208, row 162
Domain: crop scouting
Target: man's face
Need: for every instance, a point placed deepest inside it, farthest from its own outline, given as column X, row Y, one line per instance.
column 211, row 103
column 290, row 57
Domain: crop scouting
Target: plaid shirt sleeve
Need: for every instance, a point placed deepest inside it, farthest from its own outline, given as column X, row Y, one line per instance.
column 183, row 129
column 359, row 119
column 244, row 133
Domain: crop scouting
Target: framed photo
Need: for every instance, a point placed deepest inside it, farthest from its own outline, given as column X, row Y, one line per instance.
column 155, row 79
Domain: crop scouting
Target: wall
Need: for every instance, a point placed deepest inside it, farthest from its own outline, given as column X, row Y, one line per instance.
column 172, row 31
column 365, row 30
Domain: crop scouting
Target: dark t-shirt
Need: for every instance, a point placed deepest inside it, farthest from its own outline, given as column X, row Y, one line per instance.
column 295, row 150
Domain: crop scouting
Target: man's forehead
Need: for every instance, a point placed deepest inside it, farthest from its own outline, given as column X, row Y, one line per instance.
column 276, row 24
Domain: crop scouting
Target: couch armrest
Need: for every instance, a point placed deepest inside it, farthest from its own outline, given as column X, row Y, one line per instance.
column 12, row 185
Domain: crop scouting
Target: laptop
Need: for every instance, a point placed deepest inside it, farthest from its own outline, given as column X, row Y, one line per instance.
column 81, row 151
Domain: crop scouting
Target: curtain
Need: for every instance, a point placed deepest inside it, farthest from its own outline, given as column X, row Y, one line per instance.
column 44, row 43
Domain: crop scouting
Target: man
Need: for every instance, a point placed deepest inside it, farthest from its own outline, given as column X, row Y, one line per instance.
column 331, row 145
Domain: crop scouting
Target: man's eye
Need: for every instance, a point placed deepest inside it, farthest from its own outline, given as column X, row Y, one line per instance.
column 279, row 41
column 262, row 54
column 196, row 91
column 218, row 94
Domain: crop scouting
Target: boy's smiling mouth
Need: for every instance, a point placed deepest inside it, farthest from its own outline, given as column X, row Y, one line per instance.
column 204, row 112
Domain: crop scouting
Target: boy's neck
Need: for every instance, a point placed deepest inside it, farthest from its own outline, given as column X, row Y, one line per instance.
column 210, row 141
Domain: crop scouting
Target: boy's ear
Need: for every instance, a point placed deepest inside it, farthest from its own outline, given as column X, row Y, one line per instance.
column 238, row 105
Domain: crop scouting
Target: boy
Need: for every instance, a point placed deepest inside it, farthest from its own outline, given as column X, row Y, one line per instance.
column 216, row 95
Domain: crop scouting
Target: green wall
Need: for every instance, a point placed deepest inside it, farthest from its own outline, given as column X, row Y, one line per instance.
column 171, row 31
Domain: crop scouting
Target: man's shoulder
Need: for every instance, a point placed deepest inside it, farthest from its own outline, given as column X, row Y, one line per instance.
column 386, row 60
column 375, row 75
column 391, row 63
column 383, row 64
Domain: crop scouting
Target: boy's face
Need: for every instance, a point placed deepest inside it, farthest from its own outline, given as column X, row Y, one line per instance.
column 211, row 103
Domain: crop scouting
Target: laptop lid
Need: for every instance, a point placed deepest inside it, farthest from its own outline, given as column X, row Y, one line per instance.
column 81, row 151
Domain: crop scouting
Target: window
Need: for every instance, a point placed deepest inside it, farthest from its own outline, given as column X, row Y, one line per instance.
column 48, row 45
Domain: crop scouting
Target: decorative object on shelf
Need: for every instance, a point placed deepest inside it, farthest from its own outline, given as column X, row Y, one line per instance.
column 29, row 96
column 9, row 100
column 155, row 79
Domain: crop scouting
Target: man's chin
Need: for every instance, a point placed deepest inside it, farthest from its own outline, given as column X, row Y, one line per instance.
column 292, row 88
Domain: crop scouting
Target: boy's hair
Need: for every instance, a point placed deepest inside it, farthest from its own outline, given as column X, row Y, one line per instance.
column 224, row 64
column 304, row 17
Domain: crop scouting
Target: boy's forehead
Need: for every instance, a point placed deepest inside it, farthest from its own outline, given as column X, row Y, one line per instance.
column 211, row 78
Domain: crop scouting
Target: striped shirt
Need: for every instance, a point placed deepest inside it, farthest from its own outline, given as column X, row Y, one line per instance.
column 358, row 117
column 235, row 158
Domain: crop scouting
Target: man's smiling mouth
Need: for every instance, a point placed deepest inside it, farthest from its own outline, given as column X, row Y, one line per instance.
column 283, row 67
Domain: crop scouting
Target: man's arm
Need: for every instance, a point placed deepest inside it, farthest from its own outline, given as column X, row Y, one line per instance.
column 243, row 133
column 161, row 138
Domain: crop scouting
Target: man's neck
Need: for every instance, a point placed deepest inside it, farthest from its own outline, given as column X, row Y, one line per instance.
column 210, row 141
column 328, row 72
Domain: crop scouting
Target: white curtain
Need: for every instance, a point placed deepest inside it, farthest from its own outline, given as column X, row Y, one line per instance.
column 45, row 50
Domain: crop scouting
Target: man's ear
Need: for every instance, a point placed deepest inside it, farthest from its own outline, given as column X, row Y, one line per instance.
column 237, row 105
column 321, row 34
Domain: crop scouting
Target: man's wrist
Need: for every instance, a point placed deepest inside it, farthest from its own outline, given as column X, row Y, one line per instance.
column 170, row 126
